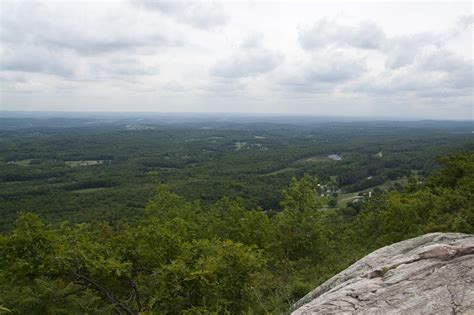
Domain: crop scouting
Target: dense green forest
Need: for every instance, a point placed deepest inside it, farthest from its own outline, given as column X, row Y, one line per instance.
column 83, row 170
column 183, row 257
column 214, row 217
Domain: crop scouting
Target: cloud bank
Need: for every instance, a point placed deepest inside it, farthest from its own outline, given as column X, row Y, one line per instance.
column 242, row 57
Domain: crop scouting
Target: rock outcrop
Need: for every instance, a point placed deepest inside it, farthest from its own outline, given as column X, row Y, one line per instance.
column 430, row 274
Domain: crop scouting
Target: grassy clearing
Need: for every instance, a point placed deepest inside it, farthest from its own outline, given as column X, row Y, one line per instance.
column 84, row 163
column 23, row 162
column 284, row 170
column 314, row 159
column 344, row 199
column 88, row 190
column 240, row 145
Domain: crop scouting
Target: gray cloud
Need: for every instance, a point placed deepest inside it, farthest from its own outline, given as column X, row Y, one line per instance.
column 400, row 51
column 440, row 59
column 326, row 32
column 125, row 66
column 436, row 74
column 30, row 58
column 247, row 63
column 13, row 78
column 404, row 50
column 452, row 71
column 252, row 41
column 463, row 23
column 203, row 14
column 155, row 54
column 88, row 44
column 323, row 73
column 224, row 87
column 462, row 79
column 104, row 33
column 107, row 45
column 69, row 64
column 390, row 84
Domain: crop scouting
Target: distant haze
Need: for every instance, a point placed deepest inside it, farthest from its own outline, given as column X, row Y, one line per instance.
column 386, row 59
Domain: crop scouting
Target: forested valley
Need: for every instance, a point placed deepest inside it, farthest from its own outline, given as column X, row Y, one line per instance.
column 235, row 216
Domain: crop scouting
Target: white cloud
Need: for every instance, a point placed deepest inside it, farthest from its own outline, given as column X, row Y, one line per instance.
column 203, row 14
column 201, row 55
column 247, row 64
column 32, row 58
column 252, row 41
column 83, row 28
column 328, row 32
column 322, row 73
column 93, row 42
column 252, row 59
column 435, row 74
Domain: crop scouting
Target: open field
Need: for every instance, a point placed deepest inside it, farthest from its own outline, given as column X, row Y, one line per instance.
column 344, row 199
column 83, row 163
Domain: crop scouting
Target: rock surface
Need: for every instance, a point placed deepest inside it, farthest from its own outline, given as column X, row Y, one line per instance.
column 430, row 274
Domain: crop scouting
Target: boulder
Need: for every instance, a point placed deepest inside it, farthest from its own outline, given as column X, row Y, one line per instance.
column 430, row 274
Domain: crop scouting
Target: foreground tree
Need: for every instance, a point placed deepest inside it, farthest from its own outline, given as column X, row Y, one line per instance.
column 184, row 258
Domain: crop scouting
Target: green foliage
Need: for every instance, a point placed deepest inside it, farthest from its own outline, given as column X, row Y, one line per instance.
column 210, row 275
column 301, row 195
column 184, row 257
column 65, row 170
column 28, row 250
column 445, row 203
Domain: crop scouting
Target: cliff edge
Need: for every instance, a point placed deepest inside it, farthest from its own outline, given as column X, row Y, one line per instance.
column 430, row 274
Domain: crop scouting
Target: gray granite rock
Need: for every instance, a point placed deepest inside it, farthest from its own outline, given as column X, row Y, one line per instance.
column 430, row 274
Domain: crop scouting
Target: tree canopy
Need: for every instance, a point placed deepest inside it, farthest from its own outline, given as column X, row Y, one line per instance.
column 185, row 257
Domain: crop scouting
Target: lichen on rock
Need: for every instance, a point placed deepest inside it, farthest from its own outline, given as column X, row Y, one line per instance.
column 430, row 274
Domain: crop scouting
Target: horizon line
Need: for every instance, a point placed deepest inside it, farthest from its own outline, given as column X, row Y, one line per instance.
column 248, row 114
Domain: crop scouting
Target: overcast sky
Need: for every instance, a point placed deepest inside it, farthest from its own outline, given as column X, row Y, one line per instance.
column 400, row 60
